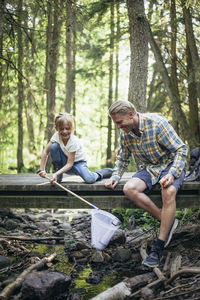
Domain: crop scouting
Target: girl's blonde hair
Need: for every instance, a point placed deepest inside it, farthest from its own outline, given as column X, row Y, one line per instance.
column 122, row 107
column 62, row 118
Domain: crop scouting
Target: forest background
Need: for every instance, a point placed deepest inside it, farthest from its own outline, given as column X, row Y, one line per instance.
column 80, row 56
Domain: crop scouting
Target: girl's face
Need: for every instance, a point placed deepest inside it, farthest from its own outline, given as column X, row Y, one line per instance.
column 65, row 131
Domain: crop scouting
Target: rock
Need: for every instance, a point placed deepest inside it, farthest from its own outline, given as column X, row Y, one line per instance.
column 4, row 261
column 44, row 285
column 11, row 224
column 118, row 238
column 82, row 245
column 97, row 257
column 122, row 254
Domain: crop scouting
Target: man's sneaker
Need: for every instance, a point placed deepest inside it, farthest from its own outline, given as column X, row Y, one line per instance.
column 153, row 259
column 172, row 229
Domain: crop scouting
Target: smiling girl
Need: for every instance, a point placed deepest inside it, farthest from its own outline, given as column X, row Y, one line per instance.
column 67, row 153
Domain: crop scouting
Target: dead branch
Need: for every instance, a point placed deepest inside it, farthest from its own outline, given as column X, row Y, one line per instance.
column 4, row 295
column 184, row 271
column 33, row 239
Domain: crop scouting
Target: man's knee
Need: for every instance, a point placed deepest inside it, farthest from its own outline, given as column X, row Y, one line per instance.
column 169, row 194
column 134, row 186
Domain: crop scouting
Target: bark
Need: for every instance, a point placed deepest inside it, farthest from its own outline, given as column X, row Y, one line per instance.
column 174, row 61
column 53, row 37
column 69, row 56
column 193, row 99
column 193, row 71
column 110, row 95
column 192, row 44
column 2, row 7
column 139, row 54
column 29, row 104
column 8, row 291
column 20, row 90
column 117, row 66
column 124, row 289
column 184, row 127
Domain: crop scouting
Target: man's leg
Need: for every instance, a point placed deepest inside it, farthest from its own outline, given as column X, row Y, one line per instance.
column 134, row 190
column 168, row 211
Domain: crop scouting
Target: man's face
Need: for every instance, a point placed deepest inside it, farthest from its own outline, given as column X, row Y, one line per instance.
column 125, row 122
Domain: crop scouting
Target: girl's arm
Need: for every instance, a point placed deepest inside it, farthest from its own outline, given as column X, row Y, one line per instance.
column 43, row 161
column 67, row 167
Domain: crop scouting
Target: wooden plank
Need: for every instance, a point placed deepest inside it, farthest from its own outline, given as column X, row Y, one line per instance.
column 31, row 191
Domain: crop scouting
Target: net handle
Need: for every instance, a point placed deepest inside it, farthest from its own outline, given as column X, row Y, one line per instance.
column 72, row 193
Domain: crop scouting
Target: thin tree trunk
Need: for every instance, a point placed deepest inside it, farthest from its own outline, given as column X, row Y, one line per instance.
column 74, row 62
column 29, row 110
column 2, row 7
column 184, row 127
column 193, row 104
column 53, row 37
column 117, row 67
column 139, row 54
column 192, row 44
column 110, row 96
column 173, row 22
column 69, row 56
column 53, row 31
column 20, row 87
column 193, row 71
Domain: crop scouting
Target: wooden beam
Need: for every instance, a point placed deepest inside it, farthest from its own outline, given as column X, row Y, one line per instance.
column 31, row 191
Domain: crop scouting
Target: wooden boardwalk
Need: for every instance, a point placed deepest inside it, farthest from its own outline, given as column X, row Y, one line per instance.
column 32, row 191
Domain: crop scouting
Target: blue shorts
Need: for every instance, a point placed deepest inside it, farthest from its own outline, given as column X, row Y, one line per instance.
column 146, row 177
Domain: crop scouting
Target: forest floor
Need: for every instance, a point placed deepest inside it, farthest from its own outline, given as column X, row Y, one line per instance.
column 22, row 234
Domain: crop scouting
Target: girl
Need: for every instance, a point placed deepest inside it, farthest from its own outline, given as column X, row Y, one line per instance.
column 67, row 154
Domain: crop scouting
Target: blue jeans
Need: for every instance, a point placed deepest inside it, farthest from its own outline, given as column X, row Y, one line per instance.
column 79, row 168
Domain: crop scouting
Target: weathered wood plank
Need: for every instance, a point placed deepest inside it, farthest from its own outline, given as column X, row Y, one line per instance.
column 31, row 191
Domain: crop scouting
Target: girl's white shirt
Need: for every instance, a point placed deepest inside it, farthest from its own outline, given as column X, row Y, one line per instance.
column 73, row 145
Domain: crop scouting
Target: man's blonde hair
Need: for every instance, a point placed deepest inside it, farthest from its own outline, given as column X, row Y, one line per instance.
column 122, row 107
column 62, row 118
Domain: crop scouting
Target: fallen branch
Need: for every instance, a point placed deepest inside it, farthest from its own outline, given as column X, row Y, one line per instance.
column 184, row 271
column 9, row 289
column 125, row 287
column 35, row 239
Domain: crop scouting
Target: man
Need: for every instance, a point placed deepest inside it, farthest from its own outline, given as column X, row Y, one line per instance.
column 161, row 157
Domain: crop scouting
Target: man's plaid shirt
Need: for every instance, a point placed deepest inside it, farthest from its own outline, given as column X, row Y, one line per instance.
column 158, row 146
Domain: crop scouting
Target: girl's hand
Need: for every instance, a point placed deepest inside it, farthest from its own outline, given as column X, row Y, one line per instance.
column 42, row 173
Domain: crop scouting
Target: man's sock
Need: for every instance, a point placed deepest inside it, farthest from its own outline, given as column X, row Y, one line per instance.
column 159, row 245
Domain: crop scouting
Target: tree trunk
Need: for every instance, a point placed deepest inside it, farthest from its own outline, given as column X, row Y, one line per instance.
column 2, row 7
column 52, row 54
column 20, row 88
column 173, row 21
column 184, row 127
column 193, row 71
column 139, row 54
column 69, row 56
column 193, row 104
column 74, row 62
column 117, row 67
column 192, row 44
column 110, row 96
column 29, row 66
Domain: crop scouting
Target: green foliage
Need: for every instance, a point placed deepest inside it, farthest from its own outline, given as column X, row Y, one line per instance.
column 142, row 219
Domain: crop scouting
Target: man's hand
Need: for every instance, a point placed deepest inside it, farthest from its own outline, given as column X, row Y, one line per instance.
column 54, row 178
column 111, row 183
column 167, row 180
